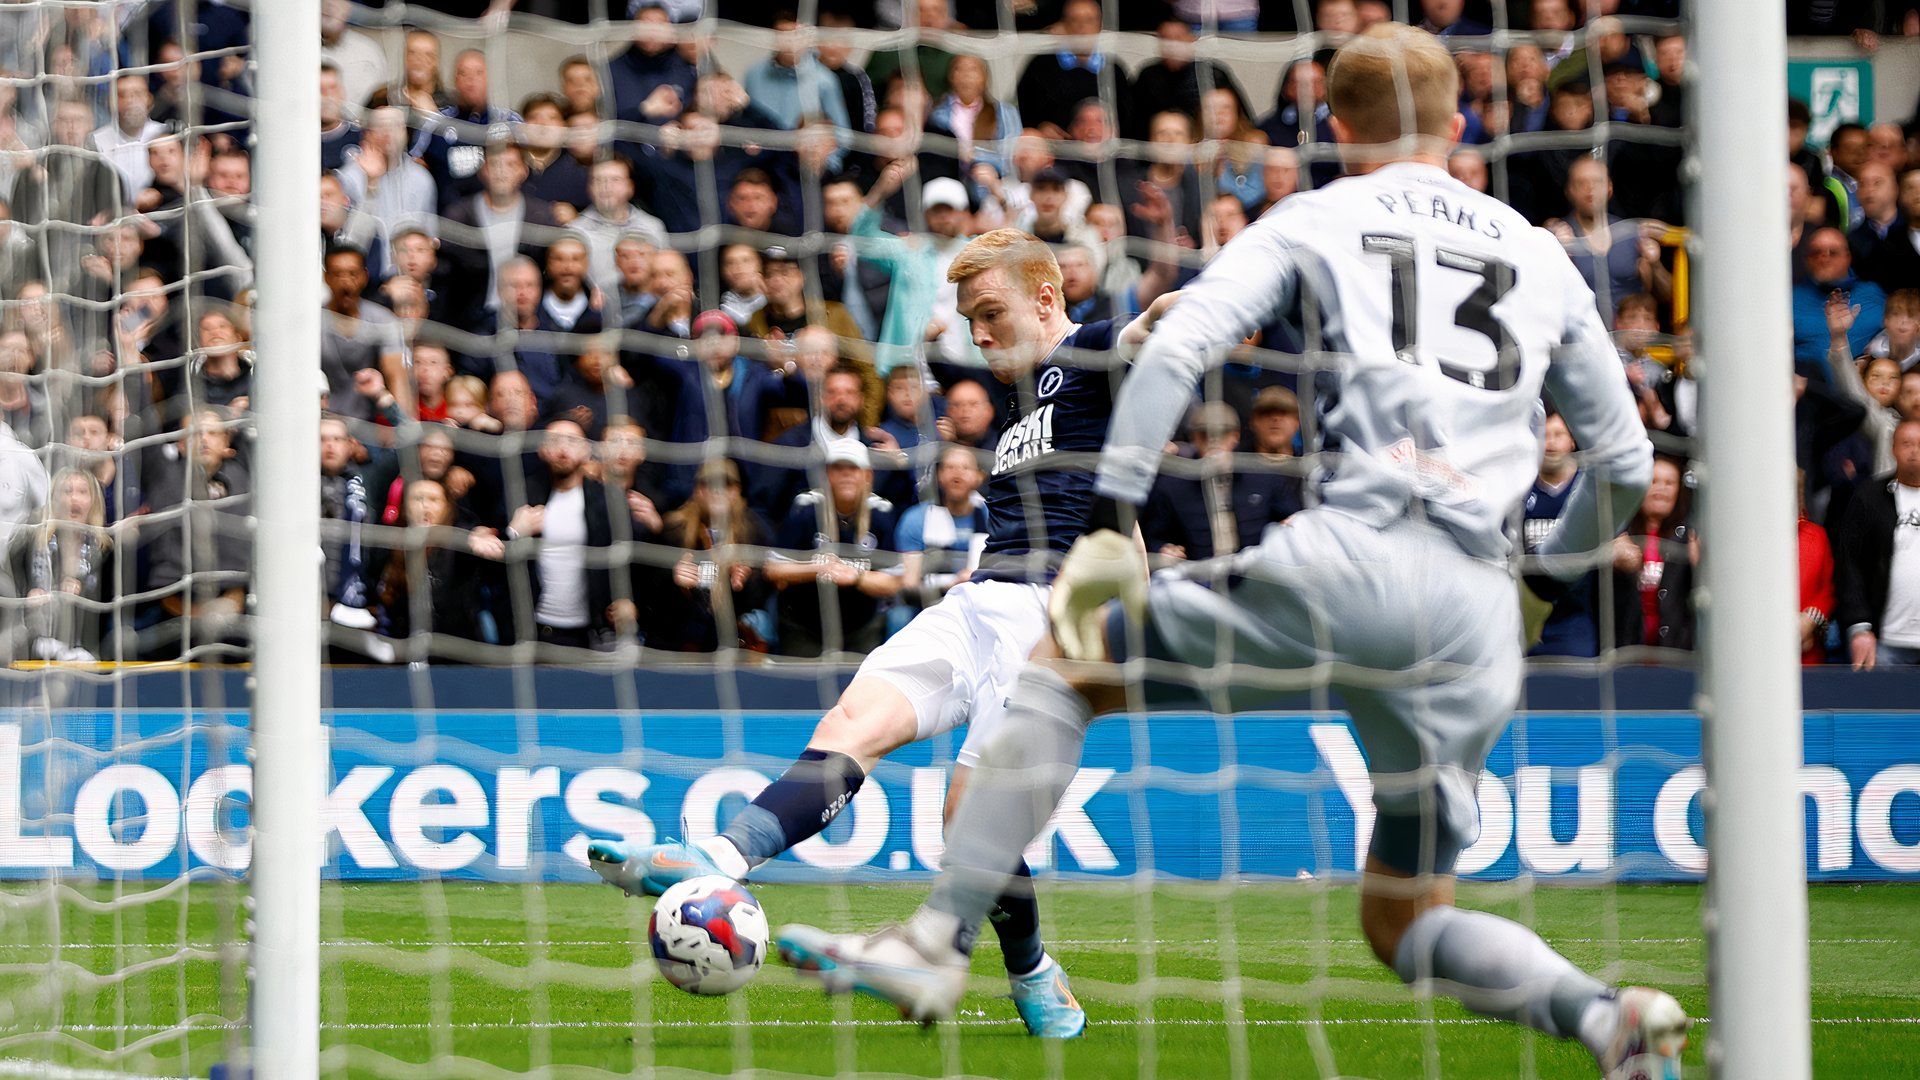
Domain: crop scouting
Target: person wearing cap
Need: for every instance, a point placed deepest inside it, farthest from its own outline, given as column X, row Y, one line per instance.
column 1275, row 421
column 790, row 309
column 835, row 550
column 1223, row 509
column 943, row 201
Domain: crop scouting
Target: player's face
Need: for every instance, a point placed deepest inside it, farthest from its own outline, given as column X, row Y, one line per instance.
column 1008, row 325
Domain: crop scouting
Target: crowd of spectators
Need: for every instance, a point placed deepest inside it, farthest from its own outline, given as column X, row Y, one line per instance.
column 664, row 353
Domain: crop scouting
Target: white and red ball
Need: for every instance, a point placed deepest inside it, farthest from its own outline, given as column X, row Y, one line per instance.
column 708, row 934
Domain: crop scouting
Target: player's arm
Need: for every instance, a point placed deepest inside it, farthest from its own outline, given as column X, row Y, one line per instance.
column 1616, row 460
column 1253, row 276
column 1134, row 334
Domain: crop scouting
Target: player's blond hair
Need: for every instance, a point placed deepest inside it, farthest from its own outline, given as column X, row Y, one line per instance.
column 1390, row 75
column 1026, row 258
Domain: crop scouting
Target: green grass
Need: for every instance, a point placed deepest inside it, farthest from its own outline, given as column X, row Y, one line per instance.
column 588, row 996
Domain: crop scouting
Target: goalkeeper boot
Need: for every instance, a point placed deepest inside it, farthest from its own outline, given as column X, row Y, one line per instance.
column 1046, row 1003
column 1100, row 568
column 1648, row 1037
column 921, row 977
column 650, row 870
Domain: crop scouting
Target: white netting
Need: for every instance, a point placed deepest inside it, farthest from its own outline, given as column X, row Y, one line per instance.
column 588, row 573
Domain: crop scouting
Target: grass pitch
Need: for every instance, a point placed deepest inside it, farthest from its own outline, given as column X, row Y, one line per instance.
column 465, row 979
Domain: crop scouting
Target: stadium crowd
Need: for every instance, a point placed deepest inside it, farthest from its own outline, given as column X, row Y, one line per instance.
column 665, row 354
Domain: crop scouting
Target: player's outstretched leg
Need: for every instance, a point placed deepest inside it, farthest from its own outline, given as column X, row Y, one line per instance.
column 871, row 720
column 1502, row 969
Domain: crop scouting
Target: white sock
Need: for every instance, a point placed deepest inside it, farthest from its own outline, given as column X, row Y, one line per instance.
column 1045, row 963
column 725, row 856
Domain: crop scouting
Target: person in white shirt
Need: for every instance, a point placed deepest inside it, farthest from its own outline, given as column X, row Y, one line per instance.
column 362, row 63
column 124, row 142
column 561, row 612
column 1876, row 562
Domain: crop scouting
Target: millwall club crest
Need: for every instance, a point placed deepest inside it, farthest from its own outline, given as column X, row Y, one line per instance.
column 1050, row 380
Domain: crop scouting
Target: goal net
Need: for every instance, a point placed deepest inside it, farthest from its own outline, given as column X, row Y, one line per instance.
column 641, row 386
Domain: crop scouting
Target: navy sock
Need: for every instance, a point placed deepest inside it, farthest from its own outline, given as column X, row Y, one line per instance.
column 806, row 798
column 1016, row 920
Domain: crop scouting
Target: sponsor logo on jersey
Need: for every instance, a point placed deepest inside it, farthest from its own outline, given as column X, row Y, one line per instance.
column 1026, row 440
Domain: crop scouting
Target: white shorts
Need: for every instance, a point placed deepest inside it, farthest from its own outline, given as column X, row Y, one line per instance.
column 957, row 660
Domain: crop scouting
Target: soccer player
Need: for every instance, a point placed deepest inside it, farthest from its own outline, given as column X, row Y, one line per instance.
column 1449, row 316
column 955, row 662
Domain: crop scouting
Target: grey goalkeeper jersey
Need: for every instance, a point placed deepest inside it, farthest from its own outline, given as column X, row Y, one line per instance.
column 1442, row 315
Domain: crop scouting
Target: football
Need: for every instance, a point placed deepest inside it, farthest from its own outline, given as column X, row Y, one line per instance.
column 708, row 934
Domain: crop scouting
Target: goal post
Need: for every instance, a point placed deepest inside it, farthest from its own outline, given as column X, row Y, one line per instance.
column 1756, row 912
column 286, row 635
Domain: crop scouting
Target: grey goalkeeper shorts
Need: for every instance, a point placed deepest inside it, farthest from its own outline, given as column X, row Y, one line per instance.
column 1421, row 641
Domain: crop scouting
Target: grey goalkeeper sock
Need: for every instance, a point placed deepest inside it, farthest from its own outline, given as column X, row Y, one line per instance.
column 1022, row 773
column 1497, row 968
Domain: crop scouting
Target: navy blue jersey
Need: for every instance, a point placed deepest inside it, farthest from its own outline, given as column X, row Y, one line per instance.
column 1040, row 482
column 1573, row 629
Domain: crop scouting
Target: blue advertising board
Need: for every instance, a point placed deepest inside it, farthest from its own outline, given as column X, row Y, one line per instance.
column 516, row 795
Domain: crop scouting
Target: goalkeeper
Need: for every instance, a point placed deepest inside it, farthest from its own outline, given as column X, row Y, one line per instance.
column 1448, row 316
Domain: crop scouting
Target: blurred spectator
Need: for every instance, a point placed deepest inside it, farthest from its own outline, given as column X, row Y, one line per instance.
column 24, row 487
column 834, row 421
column 1653, row 565
column 1670, row 63
column 124, row 142
column 1175, row 80
column 1053, row 84
column 651, row 82
column 69, row 184
column 1617, row 258
column 429, row 584
column 856, row 89
column 835, row 563
column 631, row 298
column 1849, row 149
column 64, row 569
column 1877, row 562
column 753, row 203
column 790, row 307
column 456, row 148
column 740, row 276
column 341, row 225
column 1816, row 582
column 1050, row 214
column 635, row 583
column 223, row 368
column 355, row 334
column 1080, row 282
column 982, row 127
column 1224, row 509
column 579, row 89
column 611, row 216
column 718, row 578
column 92, row 445
column 502, row 221
column 566, row 511
column 343, row 499
column 970, row 416
column 929, row 62
column 1446, row 18
column 1167, row 167
column 359, row 59
column 1236, row 149
column 216, row 251
column 1883, row 246
column 197, row 534
column 1830, row 271
column 675, row 169
column 553, row 173
column 791, row 84
column 940, row 541
column 1469, row 166
column 596, row 389
column 1573, row 627
column 949, row 226
column 420, row 90
column 338, row 132
column 379, row 178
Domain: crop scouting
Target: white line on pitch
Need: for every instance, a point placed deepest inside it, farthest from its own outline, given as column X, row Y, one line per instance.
column 23, row 1067
column 1248, row 942
column 971, row 1021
